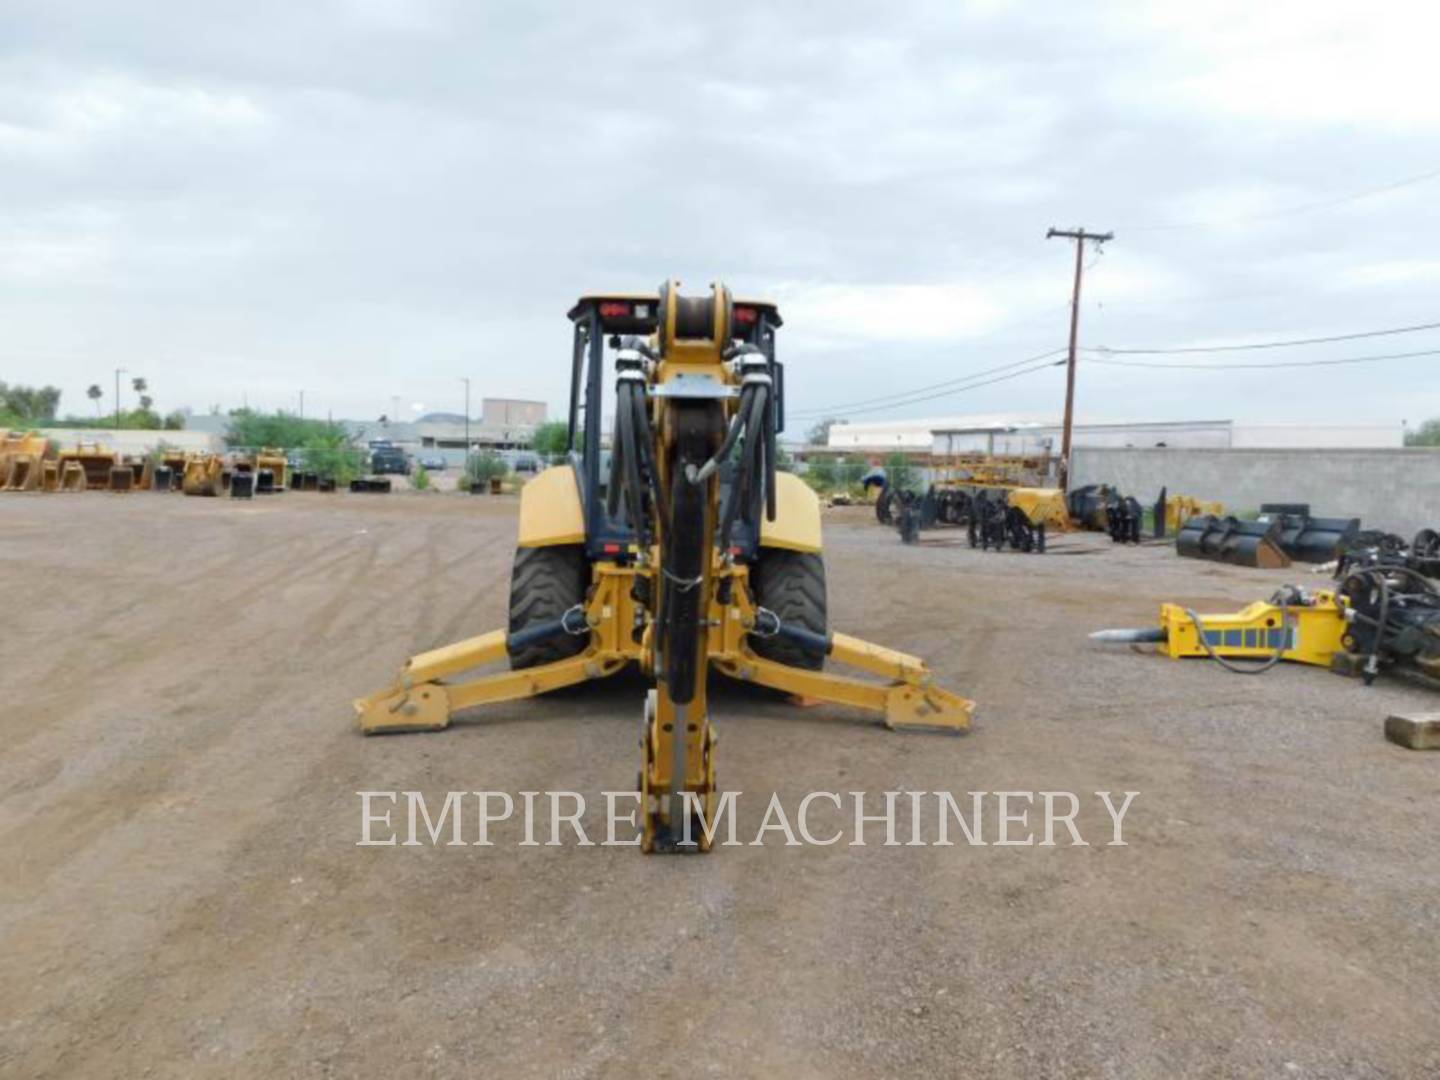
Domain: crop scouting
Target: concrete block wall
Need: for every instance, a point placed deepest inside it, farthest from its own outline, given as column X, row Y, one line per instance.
column 1393, row 489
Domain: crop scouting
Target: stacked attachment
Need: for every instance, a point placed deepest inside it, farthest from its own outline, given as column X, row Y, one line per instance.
column 1230, row 540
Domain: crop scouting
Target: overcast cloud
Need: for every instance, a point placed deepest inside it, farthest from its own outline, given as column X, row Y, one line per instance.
column 368, row 199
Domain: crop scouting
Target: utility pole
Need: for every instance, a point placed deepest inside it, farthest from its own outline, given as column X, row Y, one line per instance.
column 118, row 372
column 1079, row 236
column 466, row 380
column 302, row 404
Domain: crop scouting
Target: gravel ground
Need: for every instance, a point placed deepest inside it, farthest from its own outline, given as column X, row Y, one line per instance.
column 181, row 894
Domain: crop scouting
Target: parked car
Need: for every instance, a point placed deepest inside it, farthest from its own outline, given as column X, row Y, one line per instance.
column 389, row 459
column 434, row 463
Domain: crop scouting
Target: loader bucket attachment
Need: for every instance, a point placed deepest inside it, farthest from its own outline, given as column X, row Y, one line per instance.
column 203, row 474
column 24, row 473
column 1230, row 540
column 95, row 461
column 49, row 475
column 1313, row 540
column 72, row 476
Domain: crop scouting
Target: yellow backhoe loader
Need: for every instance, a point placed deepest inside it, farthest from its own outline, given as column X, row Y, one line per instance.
column 686, row 550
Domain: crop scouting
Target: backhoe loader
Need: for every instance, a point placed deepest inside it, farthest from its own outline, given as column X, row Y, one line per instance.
column 687, row 550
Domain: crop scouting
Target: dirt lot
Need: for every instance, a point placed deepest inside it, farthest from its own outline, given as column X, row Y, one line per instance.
column 181, row 894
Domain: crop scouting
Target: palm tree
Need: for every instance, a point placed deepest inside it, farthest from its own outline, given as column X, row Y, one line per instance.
column 95, row 394
column 139, row 385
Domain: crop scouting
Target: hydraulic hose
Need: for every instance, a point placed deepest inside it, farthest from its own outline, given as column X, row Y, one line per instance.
column 1241, row 669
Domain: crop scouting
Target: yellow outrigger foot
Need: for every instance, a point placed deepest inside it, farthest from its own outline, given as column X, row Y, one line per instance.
column 419, row 701
column 910, row 699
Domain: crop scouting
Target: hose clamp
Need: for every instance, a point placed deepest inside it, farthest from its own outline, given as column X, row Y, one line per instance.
column 682, row 584
column 767, row 623
column 569, row 624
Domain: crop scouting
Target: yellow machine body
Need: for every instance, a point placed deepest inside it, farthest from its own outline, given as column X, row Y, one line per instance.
column 1041, row 506
column 277, row 463
column 550, row 510
column 1309, row 633
column 1181, row 508
column 204, row 474
column 628, row 589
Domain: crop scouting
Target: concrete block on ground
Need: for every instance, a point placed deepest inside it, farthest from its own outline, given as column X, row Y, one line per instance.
column 1417, row 731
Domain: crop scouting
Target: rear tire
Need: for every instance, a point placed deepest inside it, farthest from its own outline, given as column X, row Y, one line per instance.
column 791, row 584
column 545, row 583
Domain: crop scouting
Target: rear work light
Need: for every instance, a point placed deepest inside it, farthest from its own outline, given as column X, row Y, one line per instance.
column 746, row 315
column 614, row 308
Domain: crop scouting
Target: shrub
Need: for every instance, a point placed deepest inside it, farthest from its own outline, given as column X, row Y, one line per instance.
column 485, row 466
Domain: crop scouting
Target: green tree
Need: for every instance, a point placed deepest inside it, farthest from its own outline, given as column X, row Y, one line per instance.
column 819, row 433
column 900, row 474
column 849, row 473
column 252, row 428
column 95, row 394
column 485, row 466
column 28, row 404
column 1427, row 434
column 821, row 474
column 328, row 452
column 550, row 438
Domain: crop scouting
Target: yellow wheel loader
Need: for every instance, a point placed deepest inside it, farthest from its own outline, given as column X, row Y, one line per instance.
column 683, row 549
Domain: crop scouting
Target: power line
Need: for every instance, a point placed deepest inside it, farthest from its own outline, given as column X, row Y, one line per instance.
column 1291, row 211
column 1267, row 344
column 1262, row 364
column 837, row 415
column 892, row 398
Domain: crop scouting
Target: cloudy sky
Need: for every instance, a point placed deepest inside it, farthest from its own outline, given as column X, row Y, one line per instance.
column 367, row 199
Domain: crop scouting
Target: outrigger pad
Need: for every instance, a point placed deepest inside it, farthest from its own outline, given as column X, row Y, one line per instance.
column 927, row 707
column 424, row 708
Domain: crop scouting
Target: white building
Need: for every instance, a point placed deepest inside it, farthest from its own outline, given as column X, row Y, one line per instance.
column 1022, row 433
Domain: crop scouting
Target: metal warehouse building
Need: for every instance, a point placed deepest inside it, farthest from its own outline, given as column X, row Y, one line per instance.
column 1035, row 434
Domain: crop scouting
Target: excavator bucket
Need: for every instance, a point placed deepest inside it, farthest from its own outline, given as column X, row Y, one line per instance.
column 49, row 475
column 1310, row 539
column 24, row 473
column 22, row 454
column 203, row 474
column 1231, row 540
column 72, row 476
column 95, row 461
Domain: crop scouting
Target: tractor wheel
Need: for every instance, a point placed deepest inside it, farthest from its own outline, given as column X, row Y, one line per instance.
column 791, row 584
column 546, row 582
column 884, row 508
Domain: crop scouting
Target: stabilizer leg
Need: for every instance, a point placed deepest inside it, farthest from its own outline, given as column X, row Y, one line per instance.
column 418, row 701
column 910, row 699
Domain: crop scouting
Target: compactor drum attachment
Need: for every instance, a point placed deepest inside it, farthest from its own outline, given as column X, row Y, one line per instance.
column 688, row 551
